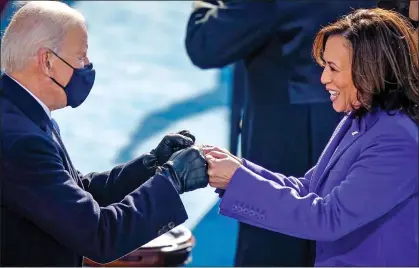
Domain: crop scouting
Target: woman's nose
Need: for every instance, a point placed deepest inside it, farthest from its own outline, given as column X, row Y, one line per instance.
column 325, row 78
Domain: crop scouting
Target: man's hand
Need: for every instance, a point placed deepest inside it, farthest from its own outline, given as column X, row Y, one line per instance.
column 172, row 143
column 187, row 169
column 168, row 145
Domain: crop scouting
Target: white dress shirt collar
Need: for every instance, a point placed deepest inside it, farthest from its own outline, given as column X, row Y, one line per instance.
column 46, row 109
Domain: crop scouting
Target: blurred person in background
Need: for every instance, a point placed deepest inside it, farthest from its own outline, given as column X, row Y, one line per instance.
column 3, row 4
column 237, row 101
column 284, row 97
column 408, row 8
column 360, row 201
column 51, row 214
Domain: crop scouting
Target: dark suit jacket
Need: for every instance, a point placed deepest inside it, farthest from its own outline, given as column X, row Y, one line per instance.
column 237, row 100
column 51, row 215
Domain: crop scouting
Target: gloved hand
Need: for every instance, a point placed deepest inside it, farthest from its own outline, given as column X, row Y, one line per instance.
column 168, row 145
column 186, row 169
column 149, row 163
column 172, row 143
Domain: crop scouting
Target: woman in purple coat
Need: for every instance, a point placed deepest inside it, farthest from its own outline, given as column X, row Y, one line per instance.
column 360, row 201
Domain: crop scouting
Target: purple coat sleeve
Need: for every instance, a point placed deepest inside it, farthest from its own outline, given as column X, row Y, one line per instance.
column 384, row 175
column 299, row 184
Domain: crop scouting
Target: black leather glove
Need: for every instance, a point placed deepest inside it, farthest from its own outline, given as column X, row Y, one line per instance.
column 187, row 169
column 149, row 163
column 168, row 145
column 172, row 143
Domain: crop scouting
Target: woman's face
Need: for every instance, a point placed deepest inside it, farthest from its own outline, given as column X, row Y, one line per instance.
column 337, row 74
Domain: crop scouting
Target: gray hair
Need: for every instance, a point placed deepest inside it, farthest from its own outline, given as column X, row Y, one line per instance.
column 37, row 24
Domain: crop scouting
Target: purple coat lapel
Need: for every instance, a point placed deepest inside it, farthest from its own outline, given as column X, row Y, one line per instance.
column 350, row 136
column 348, row 131
column 327, row 153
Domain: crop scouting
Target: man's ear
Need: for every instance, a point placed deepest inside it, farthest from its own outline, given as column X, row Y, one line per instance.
column 44, row 59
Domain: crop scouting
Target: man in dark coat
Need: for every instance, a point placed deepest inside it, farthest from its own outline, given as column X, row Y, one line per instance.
column 51, row 214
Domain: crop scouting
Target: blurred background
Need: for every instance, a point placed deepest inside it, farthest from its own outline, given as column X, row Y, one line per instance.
column 145, row 87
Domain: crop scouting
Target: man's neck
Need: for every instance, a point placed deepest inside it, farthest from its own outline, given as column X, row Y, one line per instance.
column 32, row 84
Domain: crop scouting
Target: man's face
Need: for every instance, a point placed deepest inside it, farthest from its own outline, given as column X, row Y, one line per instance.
column 74, row 52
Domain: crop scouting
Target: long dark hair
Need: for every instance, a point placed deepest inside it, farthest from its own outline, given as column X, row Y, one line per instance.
column 385, row 67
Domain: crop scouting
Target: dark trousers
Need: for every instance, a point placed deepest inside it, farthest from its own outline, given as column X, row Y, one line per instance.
column 312, row 125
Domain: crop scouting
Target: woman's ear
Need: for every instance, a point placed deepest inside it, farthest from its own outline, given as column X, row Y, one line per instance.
column 414, row 10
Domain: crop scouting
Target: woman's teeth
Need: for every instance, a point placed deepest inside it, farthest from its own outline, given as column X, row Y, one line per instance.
column 333, row 95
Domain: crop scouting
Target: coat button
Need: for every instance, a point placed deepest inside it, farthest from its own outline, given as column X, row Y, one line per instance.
column 171, row 225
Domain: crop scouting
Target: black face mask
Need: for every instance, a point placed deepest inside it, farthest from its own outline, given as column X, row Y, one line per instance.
column 80, row 84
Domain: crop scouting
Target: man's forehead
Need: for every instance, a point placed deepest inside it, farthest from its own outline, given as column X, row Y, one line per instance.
column 77, row 38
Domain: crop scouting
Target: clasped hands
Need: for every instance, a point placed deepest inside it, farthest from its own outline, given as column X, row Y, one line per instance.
column 188, row 166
